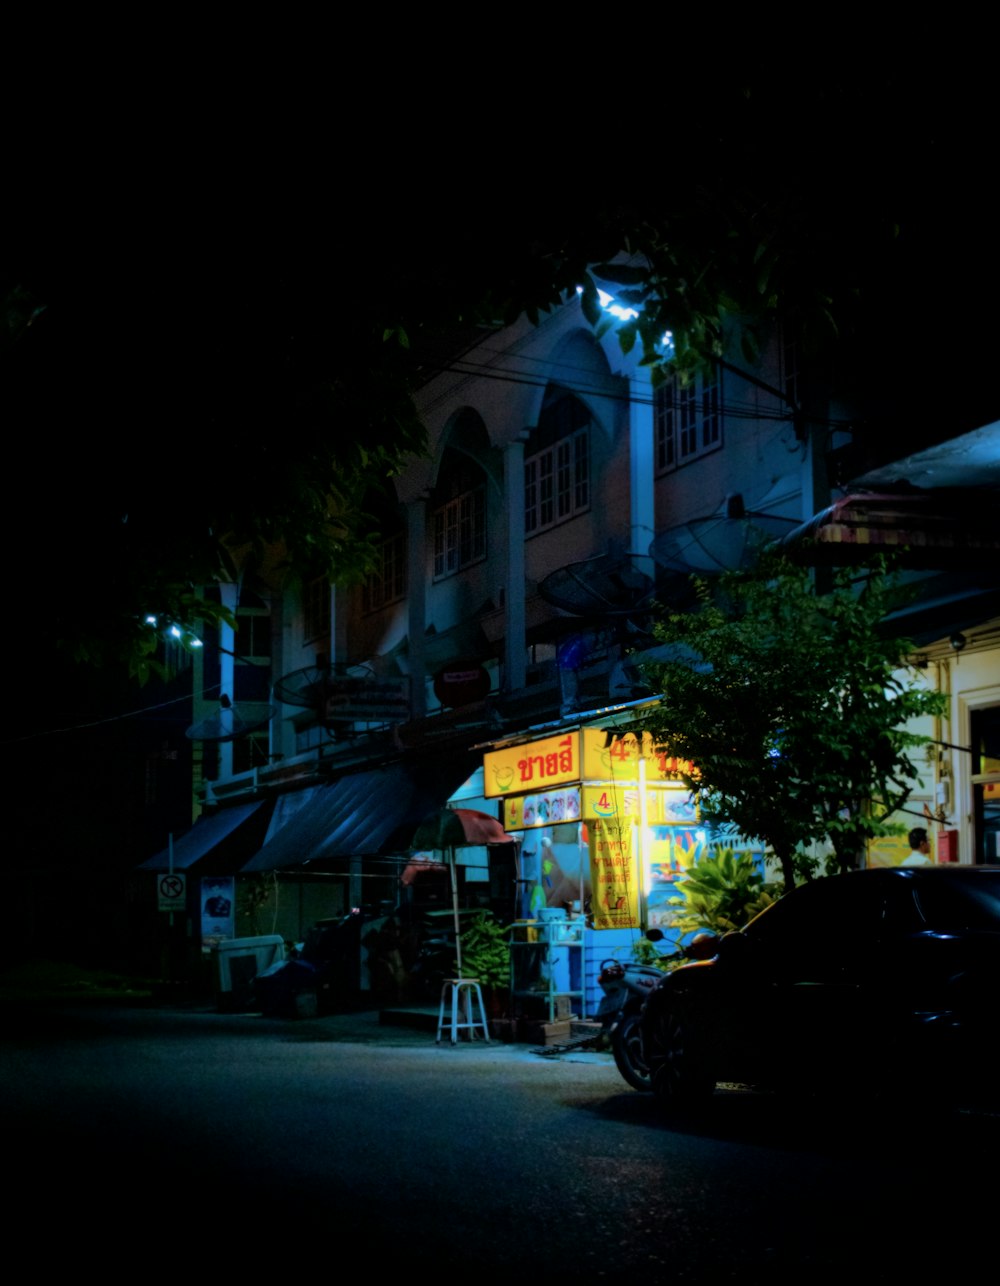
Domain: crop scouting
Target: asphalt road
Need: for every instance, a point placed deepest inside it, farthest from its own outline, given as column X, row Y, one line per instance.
column 183, row 1141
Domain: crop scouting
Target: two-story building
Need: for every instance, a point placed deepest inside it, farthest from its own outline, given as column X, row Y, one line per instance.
column 561, row 494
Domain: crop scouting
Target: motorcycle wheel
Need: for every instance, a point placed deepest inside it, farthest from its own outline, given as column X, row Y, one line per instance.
column 626, row 1046
column 679, row 1077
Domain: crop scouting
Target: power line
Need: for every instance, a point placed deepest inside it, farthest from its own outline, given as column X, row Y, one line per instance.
column 98, row 723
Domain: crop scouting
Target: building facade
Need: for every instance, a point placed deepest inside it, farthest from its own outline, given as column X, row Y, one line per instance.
column 562, row 493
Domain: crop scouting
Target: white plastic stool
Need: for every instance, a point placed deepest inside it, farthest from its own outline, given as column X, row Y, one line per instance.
column 462, row 990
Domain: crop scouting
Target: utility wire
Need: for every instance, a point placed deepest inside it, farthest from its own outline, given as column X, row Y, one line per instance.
column 97, row 723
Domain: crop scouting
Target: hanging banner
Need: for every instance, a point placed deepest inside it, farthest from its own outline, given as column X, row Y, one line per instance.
column 614, row 875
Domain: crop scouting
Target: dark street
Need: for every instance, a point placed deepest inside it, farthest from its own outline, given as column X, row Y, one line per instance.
column 217, row 1143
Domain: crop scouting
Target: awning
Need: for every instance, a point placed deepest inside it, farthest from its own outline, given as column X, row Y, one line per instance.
column 288, row 806
column 945, row 603
column 943, row 528
column 228, row 835
column 370, row 813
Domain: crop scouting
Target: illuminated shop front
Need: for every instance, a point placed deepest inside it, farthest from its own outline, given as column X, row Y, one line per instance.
column 614, row 818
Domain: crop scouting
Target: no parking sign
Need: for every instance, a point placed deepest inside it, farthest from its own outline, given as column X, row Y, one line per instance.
column 171, row 891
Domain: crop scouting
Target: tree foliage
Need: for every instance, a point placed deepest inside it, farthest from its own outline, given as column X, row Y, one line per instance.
column 191, row 432
column 192, row 381
column 792, row 703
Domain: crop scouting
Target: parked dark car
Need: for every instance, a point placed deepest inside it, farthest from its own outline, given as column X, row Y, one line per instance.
column 879, row 981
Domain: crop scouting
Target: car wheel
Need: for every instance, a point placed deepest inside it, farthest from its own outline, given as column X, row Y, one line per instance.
column 626, row 1045
column 677, row 1067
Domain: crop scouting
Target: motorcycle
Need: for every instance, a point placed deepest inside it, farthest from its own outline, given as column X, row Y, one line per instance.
column 626, row 988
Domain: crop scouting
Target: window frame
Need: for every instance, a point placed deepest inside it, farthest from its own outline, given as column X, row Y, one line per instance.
column 557, row 482
column 391, row 571
column 687, row 420
column 459, row 537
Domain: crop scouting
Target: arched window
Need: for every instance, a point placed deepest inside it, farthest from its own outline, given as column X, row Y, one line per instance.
column 387, row 583
column 557, row 463
column 459, row 517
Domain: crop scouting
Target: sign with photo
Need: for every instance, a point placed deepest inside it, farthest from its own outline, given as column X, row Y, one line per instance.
column 218, row 909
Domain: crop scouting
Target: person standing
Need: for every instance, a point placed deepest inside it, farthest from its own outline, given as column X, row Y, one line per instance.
column 920, row 849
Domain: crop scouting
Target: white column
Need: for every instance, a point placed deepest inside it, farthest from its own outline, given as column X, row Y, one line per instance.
column 642, row 511
column 815, row 477
column 515, row 646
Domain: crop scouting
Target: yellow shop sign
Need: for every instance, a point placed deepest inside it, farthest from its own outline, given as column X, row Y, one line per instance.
column 665, row 805
column 608, row 759
column 534, row 766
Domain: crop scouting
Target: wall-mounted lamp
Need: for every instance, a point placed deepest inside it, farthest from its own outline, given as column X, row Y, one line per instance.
column 957, row 641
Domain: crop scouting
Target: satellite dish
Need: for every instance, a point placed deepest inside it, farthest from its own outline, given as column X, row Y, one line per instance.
column 608, row 585
column 310, row 686
column 232, row 721
column 720, row 543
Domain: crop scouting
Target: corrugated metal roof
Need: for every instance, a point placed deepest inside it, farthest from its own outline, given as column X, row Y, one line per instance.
column 213, row 832
column 374, row 812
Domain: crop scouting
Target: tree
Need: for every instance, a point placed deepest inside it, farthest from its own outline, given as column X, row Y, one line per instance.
column 172, row 443
column 792, row 704
column 186, row 378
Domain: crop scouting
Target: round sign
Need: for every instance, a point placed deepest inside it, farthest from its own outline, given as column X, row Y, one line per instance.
column 461, row 683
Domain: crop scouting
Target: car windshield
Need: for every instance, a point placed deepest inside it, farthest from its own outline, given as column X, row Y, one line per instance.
column 818, row 912
column 960, row 900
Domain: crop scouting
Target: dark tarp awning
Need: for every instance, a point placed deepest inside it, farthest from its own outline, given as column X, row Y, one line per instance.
column 373, row 813
column 945, row 603
column 287, row 806
column 228, row 835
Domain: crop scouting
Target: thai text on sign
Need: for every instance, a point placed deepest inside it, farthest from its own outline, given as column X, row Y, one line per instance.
column 550, row 761
column 614, row 877
column 619, row 758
